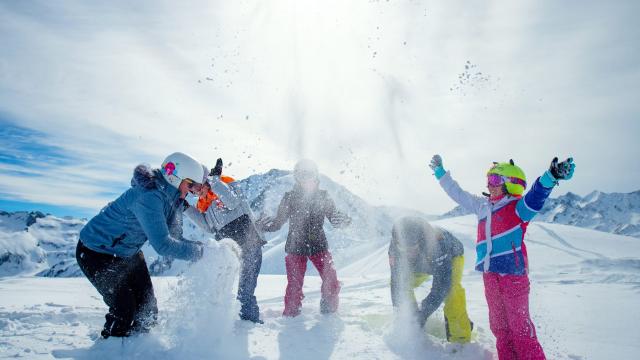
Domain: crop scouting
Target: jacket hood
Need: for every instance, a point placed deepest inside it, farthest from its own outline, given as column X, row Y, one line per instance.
column 144, row 176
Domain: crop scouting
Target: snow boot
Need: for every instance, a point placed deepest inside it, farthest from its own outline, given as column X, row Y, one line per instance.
column 288, row 312
column 249, row 309
column 252, row 315
column 328, row 306
column 115, row 326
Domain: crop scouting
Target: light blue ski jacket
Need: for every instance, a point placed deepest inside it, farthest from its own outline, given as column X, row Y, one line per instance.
column 150, row 210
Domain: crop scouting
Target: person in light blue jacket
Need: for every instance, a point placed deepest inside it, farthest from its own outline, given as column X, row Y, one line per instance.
column 108, row 251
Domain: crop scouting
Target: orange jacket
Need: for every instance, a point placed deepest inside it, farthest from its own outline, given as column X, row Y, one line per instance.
column 205, row 201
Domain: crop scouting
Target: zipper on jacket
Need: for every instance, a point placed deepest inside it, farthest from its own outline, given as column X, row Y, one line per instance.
column 515, row 254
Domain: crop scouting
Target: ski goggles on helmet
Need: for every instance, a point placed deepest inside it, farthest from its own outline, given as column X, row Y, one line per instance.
column 497, row 180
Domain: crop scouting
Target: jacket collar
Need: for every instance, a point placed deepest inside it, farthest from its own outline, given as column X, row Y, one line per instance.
column 168, row 190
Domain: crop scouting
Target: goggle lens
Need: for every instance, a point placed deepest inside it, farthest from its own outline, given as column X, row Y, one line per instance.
column 495, row 180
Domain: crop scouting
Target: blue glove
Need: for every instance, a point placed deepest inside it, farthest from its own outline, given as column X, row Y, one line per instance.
column 436, row 166
column 558, row 171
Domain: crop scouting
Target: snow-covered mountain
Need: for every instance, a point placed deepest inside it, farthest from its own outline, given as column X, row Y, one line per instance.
column 616, row 213
column 34, row 243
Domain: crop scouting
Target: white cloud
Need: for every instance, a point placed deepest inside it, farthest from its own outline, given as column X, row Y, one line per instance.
column 362, row 87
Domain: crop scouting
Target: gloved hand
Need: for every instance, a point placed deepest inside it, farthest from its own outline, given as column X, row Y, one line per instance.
column 263, row 222
column 436, row 166
column 340, row 220
column 199, row 252
column 563, row 170
column 558, row 171
column 217, row 170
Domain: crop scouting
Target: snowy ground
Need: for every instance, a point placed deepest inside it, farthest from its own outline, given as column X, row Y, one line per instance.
column 585, row 289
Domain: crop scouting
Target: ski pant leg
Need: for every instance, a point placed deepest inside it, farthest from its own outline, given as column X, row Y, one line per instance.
column 330, row 285
column 248, row 280
column 244, row 233
column 515, row 290
column 296, row 266
column 146, row 313
column 109, row 275
column 455, row 306
column 498, row 320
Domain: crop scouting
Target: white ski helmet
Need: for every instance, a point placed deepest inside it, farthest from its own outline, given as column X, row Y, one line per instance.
column 305, row 169
column 179, row 166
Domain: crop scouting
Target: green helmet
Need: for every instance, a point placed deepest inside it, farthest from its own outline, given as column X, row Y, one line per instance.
column 515, row 180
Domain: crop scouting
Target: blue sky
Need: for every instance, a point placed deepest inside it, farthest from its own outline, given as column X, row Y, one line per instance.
column 368, row 89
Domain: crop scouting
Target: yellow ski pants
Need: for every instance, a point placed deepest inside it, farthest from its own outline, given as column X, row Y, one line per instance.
column 455, row 305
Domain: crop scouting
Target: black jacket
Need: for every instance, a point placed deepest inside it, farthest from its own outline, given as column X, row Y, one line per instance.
column 434, row 257
column 306, row 216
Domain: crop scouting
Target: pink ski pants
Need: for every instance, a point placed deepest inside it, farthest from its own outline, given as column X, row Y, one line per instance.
column 508, row 300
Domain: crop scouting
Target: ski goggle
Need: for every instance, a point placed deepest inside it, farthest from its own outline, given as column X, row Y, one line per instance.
column 192, row 185
column 497, row 180
column 305, row 175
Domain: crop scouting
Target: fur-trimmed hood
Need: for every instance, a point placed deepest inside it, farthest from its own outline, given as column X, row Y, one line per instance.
column 144, row 177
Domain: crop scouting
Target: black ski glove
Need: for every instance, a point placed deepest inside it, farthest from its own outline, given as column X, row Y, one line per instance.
column 217, row 170
column 563, row 170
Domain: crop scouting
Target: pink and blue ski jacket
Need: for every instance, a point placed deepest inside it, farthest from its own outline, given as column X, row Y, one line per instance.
column 500, row 245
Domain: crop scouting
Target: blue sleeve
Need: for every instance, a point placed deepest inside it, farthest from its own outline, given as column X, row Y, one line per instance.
column 149, row 213
column 529, row 206
column 175, row 225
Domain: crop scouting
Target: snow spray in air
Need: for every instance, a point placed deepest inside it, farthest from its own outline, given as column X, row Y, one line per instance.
column 205, row 303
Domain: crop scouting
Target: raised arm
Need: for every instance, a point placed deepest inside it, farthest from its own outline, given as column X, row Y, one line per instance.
column 468, row 201
column 529, row 206
column 225, row 193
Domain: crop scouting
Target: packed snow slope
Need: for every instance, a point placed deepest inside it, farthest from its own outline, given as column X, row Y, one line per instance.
column 585, row 289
